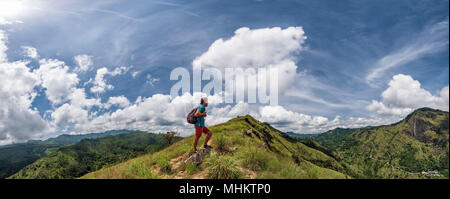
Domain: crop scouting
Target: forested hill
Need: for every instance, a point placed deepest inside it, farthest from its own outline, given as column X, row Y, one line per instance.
column 14, row 157
column 92, row 154
column 416, row 147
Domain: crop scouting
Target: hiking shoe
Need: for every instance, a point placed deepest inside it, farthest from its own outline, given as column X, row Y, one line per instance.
column 207, row 146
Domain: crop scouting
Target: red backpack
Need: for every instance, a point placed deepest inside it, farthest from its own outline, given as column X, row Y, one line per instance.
column 191, row 119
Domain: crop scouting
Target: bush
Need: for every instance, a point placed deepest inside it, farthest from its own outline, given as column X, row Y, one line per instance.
column 313, row 173
column 222, row 167
column 255, row 159
column 191, row 168
column 141, row 171
column 221, row 144
column 164, row 165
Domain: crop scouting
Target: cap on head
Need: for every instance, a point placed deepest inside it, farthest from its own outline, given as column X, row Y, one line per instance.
column 204, row 100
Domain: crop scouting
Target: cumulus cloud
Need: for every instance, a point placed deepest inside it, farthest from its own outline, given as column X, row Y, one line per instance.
column 405, row 94
column 120, row 101
column 292, row 121
column 257, row 48
column 18, row 120
column 30, row 52
column 100, row 85
column 56, row 79
column 160, row 113
column 83, row 62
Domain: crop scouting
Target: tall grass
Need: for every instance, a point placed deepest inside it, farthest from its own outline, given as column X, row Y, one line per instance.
column 254, row 159
column 222, row 167
column 221, row 143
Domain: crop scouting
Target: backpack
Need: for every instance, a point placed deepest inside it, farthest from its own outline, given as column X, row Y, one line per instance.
column 191, row 119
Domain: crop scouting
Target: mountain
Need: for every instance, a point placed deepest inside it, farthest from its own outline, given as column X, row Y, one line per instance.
column 415, row 147
column 71, row 139
column 14, row 157
column 242, row 148
column 92, row 154
column 298, row 135
column 332, row 138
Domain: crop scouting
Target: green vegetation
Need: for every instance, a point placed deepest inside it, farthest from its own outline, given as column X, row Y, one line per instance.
column 92, row 154
column 332, row 138
column 264, row 153
column 221, row 143
column 254, row 159
column 222, row 167
column 14, row 157
column 417, row 144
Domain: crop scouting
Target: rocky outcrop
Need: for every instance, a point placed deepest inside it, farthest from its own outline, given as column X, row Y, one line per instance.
column 197, row 158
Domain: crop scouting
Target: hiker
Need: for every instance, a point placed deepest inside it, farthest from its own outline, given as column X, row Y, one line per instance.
column 200, row 127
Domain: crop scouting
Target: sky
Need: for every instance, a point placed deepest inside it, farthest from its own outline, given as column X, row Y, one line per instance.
column 76, row 67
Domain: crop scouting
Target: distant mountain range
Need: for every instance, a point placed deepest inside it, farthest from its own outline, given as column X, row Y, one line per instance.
column 299, row 135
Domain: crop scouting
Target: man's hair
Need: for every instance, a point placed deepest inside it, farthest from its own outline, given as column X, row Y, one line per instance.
column 202, row 100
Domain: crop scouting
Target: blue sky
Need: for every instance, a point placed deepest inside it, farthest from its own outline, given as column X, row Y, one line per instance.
column 352, row 53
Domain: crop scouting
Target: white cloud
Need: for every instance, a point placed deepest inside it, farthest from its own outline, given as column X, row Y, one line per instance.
column 68, row 114
column 56, row 79
column 30, row 52
column 161, row 113
column 151, row 80
column 3, row 47
column 286, row 120
column 135, row 73
column 83, row 62
column 100, row 85
column 120, row 101
column 258, row 48
column 405, row 94
column 432, row 39
column 18, row 121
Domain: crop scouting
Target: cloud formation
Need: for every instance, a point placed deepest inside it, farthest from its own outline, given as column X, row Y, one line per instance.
column 257, row 48
column 18, row 120
column 100, row 85
column 30, row 52
column 405, row 94
column 83, row 62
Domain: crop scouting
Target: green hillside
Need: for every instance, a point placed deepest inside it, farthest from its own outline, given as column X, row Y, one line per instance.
column 332, row 138
column 419, row 143
column 263, row 153
column 92, row 154
column 14, row 157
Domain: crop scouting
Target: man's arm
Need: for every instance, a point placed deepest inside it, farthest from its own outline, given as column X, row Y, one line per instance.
column 200, row 114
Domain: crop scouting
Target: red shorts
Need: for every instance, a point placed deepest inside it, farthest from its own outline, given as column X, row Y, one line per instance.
column 200, row 129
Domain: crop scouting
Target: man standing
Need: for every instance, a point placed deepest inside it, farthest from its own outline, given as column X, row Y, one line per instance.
column 200, row 124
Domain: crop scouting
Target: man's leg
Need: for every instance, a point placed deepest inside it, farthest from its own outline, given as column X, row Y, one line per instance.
column 198, row 134
column 208, row 136
column 195, row 143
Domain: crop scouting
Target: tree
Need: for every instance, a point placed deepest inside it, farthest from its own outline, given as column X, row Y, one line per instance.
column 169, row 136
